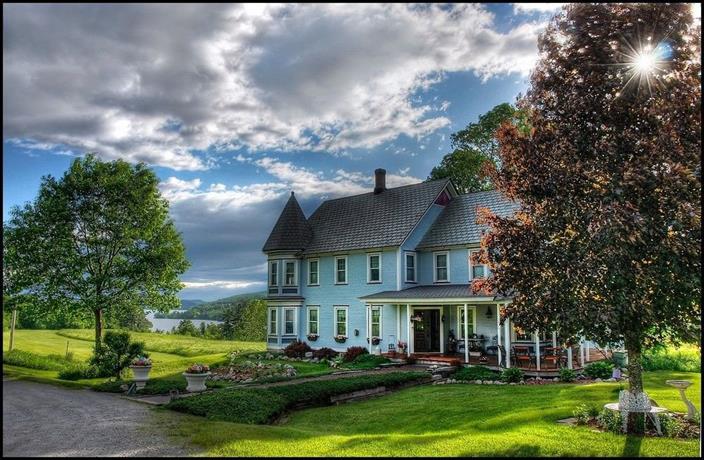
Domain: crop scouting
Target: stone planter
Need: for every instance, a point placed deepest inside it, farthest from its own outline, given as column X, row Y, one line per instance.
column 141, row 375
column 196, row 382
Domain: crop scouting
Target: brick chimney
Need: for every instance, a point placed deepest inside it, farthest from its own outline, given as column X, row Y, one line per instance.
column 379, row 180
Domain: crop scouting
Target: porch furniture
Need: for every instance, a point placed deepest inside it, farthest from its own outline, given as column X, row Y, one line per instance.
column 522, row 356
column 552, row 355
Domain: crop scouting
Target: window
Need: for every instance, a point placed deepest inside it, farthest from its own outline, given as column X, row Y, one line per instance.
column 476, row 270
column 441, row 266
column 272, row 321
column 341, row 321
column 313, row 320
column 373, row 268
column 410, row 267
column 471, row 321
column 273, row 273
column 376, row 321
column 290, row 273
column 341, row 270
column 520, row 335
column 289, row 321
column 313, row 270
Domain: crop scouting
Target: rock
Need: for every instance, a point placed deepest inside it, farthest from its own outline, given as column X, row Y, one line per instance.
column 556, row 379
column 436, row 376
column 309, row 354
column 611, row 379
column 512, row 383
column 478, row 382
column 269, row 356
column 538, row 378
column 597, row 380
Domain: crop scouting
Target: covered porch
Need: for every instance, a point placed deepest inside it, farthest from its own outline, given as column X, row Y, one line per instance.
column 447, row 323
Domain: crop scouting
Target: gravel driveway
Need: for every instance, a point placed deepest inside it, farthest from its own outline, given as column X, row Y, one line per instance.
column 44, row 420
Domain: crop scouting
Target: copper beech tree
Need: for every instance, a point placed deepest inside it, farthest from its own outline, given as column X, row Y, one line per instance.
column 607, row 242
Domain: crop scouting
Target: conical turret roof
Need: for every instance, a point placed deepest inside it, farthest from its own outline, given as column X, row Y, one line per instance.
column 291, row 231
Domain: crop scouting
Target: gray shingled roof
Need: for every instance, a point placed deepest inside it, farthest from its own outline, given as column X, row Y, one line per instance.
column 441, row 291
column 292, row 231
column 457, row 224
column 369, row 220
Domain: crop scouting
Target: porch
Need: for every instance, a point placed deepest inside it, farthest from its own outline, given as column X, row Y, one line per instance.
column 448, row 324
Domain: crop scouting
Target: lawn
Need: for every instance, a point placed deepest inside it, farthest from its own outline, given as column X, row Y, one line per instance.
column 450, row 420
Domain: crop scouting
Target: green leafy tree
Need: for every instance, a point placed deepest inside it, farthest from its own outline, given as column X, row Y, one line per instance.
column 186, row 327
column 252, row 323
column 473, row 148
column 608, row 243
column 98, row 239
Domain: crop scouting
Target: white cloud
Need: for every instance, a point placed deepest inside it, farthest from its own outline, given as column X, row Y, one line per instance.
column 697, row 11
column 220, row 284
column 158, row 84
column 537, row 7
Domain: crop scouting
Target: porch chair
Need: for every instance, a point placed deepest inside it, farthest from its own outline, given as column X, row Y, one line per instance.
column 522, row 355
column 552, row 355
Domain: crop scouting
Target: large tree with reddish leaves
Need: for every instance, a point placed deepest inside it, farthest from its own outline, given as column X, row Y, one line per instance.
column 607, row 244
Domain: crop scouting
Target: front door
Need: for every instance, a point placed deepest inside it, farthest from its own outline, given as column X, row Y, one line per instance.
column 426, row 332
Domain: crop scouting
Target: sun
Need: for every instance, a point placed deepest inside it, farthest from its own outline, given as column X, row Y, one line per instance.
column 645, row 61
column 645, row 64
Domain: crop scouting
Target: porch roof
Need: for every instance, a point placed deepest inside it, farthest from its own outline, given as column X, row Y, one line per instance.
column 436, row 293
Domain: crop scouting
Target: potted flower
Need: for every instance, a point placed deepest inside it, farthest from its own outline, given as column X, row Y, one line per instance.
column 340, row 338
column 416, row 318
column 402, row 346
column 141, row 366
column 195, row 376
column 312, row 337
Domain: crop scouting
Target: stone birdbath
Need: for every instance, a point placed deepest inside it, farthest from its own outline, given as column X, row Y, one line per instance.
column 683, row 385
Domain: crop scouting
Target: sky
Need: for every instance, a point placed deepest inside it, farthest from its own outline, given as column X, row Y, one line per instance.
column 234, row 106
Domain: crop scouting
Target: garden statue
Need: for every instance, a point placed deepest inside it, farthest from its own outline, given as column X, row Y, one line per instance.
column 683, row 385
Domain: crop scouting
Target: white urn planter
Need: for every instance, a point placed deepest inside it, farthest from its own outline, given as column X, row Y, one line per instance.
column 196, row 382
column 141, row 375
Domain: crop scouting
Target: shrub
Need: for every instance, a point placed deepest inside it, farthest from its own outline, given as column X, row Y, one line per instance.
column 512, row 375
column 475, row 373
column 34, row 361
column 670, row 426
column 116, row 353
column 80, row 371
column 186, row 327
column 324, row 353
column 584, row 412
column 610, row 421
column 352, row 353
column 599, row 369
column 369, row 361
column 296, row 349
column 567, row 375
column 260, row 406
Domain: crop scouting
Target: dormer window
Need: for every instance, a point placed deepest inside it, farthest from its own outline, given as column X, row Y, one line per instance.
column 476, row 270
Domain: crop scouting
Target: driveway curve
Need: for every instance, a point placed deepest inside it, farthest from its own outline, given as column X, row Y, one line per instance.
column 45, row 420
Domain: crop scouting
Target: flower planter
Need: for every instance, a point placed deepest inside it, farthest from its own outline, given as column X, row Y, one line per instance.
column 375, row 340
column 141, row 375
column 196, row 382
column 312, row 337
column 340, row 339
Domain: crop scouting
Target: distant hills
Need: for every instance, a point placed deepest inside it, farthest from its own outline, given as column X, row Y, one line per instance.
column 211, row 310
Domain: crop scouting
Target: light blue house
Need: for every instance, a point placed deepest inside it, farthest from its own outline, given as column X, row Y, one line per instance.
column 389, row 266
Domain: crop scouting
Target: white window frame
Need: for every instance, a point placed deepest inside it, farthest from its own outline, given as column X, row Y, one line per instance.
column 269, row 322
column 346, row 269
column 415, row 267
column 309, row 309
column 381, row 320
column 471, row 265
column 295, row 273
column 369, row 268
column 317, row 272
column 471, row 310
column 295, row 321
column 435, row 268
column 347, row 319
column 276, row 264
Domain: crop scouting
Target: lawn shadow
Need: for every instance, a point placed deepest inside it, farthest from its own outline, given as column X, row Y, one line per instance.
column 631, row 448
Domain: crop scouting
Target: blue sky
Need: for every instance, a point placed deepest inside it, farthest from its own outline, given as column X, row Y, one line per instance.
column 236, row 105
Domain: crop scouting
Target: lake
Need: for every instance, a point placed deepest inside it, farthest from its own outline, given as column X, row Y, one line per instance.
column 165, row 324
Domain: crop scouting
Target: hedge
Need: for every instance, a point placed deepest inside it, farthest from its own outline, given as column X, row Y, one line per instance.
column 264, row 405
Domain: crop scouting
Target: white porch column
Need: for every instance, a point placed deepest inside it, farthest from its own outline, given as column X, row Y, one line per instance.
column 369, row 328
column 507, row 342
column 581, row 352
column 398, row 325
column 554, row 339
column 408, row 329
column 569, row 356
column 498, row 334
column 586, row 352
column 466, row 336
column 537, row 350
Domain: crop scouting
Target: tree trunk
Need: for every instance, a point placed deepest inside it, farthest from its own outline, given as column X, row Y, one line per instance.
column 636, row 421
column 12, row 328
column 98, row 327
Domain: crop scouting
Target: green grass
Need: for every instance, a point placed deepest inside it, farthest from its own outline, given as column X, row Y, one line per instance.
column 450, row 420
column 686, row 358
